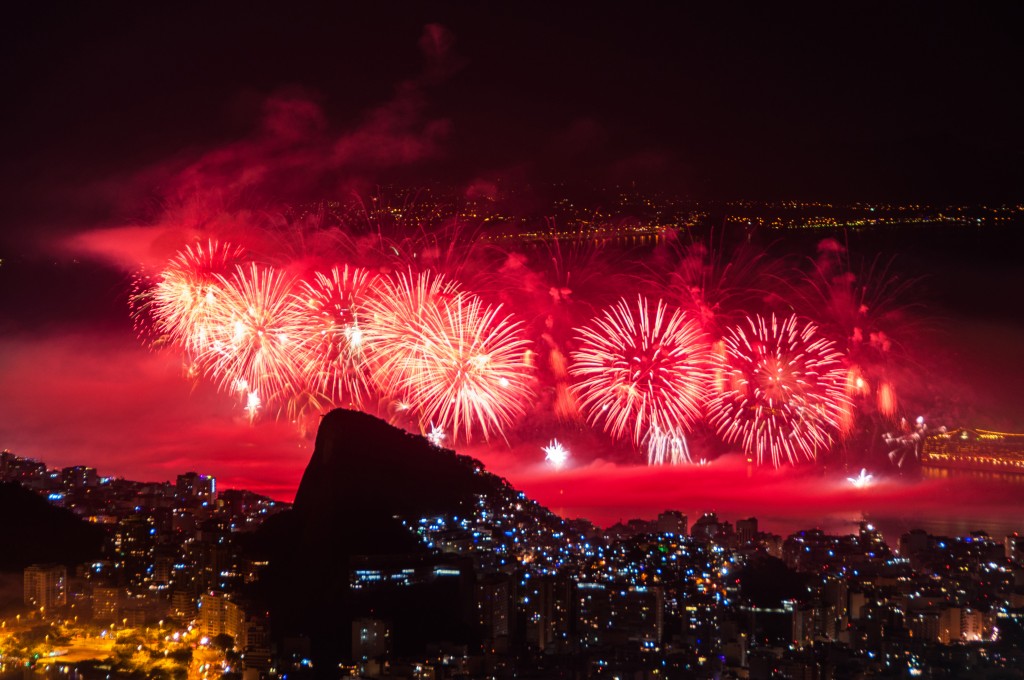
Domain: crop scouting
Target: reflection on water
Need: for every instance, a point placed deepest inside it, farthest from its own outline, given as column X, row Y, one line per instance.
column 976, row 475
column 962, row 518
column 941, row 502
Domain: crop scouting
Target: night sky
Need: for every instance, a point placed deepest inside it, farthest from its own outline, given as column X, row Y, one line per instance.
column 115, row 113
column 915, row 101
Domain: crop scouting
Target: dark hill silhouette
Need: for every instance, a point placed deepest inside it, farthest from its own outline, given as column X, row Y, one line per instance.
column 364, row 477
column 364, row 472
column 36, row 532
column 767, row 582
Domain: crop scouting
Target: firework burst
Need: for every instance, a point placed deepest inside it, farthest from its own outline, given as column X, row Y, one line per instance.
column 784, row 391
column 466, row 368
column 863, row 480
column 641, row 367
column 436, row 436
column 187, row 297
column 331, row 350
column 396, row 308
column 714, row 284
column 864, row 309
column 254, row 337
column 300, row 321
column 555, row 454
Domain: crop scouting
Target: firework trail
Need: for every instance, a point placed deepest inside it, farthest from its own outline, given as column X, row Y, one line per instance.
column 905, row 443
column 667, row 447
column 639, row 367
column 785, row 390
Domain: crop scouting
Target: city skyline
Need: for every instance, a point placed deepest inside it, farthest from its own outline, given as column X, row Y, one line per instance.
column 189, row 578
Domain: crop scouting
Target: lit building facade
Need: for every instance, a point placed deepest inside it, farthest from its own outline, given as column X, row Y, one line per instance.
column 46, row 585
column 975, row 450
column 220, row 616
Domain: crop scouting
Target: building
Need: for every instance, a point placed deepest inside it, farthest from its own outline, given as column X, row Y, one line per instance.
column 924, row 625
column 46, row 585
column 256, row 641
column 593, row 613
column 746, row 530
column 974, row 450
column 134, row 541
column 220, row 616
column 546, row 602
column 1014, row 548
column 80, row 477
column 807, row 625
column 371, row 644
column 183, row 605
column 706, row 527
column 672, row 522
column 17, row 469
column 106, row 603
column 194, row 488
column 494, row 608
column 639, row 613
column 135, row 614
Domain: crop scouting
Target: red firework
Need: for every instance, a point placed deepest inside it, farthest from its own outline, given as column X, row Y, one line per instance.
column 395, row 310
column 186, row 299
column 641, row 368
column 254, row 337
column 783, row 395
column 866, row 310
column 331, row 348
column 467, row 368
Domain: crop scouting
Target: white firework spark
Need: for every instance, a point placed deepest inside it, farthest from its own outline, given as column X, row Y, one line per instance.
column 863, row 480
column 667, row 447
column 556, row 454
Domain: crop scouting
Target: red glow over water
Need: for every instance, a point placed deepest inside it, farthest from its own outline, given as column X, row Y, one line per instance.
column 128, row 412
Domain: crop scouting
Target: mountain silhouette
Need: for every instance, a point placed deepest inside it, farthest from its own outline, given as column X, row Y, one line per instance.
column 37, row 532
column 364, row 479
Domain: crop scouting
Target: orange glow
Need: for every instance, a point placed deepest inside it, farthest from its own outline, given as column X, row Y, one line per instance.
column 856, row 384
column 845, row 420
column 886, row 399
column 718, row 374
column 565, row 403
column 556, row 360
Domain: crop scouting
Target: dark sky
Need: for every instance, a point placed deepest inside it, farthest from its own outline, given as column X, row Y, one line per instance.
column 856, row 100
